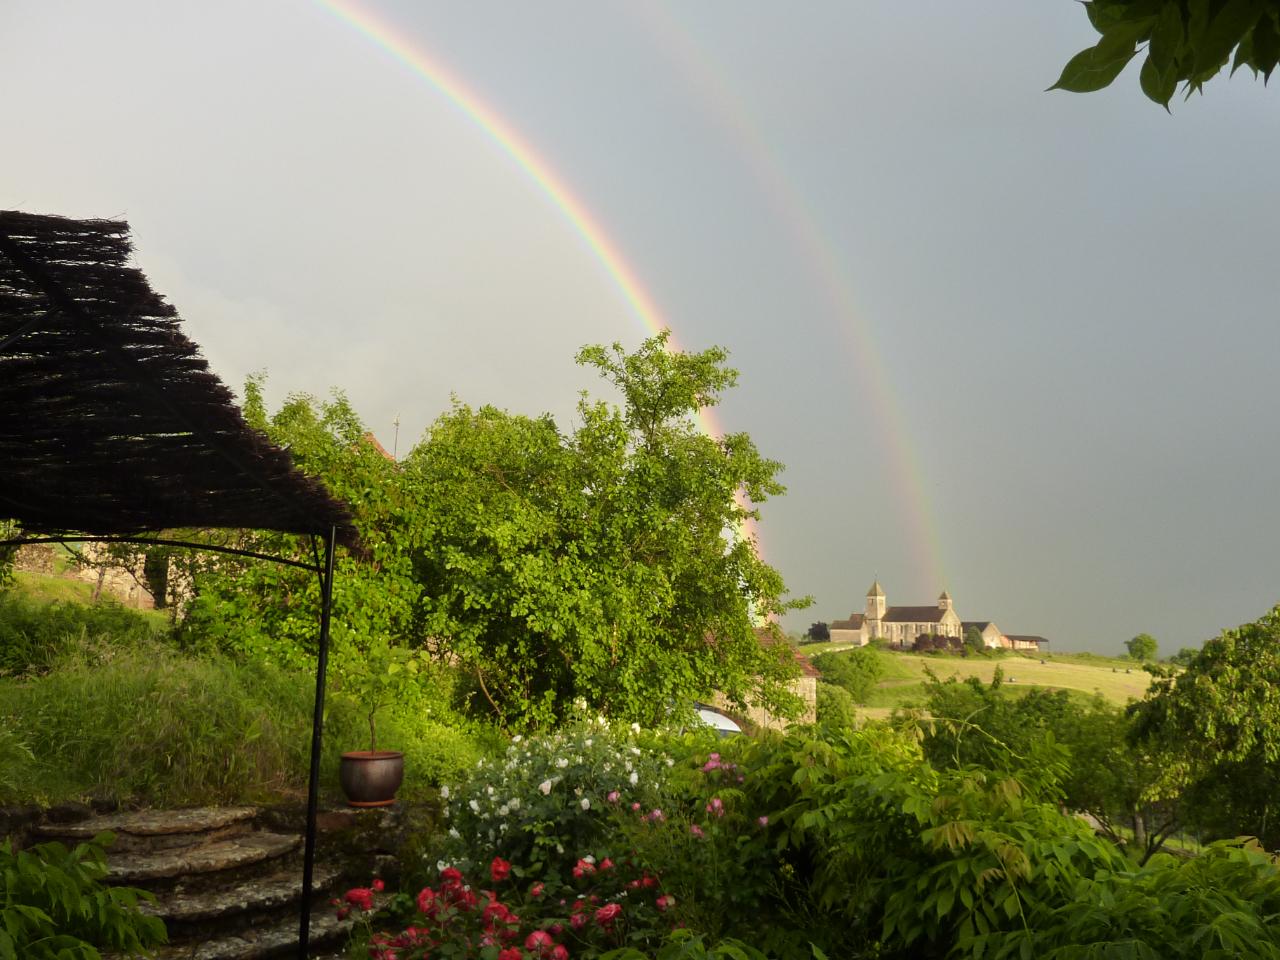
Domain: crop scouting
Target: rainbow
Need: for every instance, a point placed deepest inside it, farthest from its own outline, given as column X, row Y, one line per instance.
column 795, row 214
column 527, row 158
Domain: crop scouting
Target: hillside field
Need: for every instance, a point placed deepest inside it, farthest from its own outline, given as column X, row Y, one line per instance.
column 1084, row 674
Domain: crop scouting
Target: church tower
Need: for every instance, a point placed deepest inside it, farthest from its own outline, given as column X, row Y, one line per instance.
column 875, row 603
column 944, row 601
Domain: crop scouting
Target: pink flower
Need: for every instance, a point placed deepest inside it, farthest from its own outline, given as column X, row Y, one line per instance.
column 606, row 864
column 500, row 869
column 556, row 929
column 612, row 796
column 578, row 921
column 511, row 953
column 656, row 815
column 378, row 886
column 536, row 889
column 635, row 805
column 361, row 897
column 608, row 913
column 561, row 952
column 713, row 763
column 696, row 830
column 716, row 807
column 539, row 942
column 665, row 903
column 583, row 869
column 762, row 821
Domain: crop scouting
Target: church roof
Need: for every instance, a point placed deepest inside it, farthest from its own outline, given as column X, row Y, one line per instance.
column 980, row 624
column 853, row 623
column 1025, row 638
column 875, row 590
column 914, row 614
column 944, row 595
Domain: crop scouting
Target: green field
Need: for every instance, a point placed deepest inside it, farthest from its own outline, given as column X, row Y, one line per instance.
column 1085, row 674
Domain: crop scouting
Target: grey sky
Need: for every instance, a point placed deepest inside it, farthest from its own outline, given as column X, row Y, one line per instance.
column 1070, row 298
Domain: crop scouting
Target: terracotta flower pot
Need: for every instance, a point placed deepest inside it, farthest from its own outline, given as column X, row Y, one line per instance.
column 370, row 778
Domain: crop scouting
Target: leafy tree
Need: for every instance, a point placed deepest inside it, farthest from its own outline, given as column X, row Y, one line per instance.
column 1143, row 647
column 973, row 640
column 598, row 564
column 1186, row 41
column 818, row 632
column 856, row 671
column 1184, row 656
column 1220, row 718
column 836, row 708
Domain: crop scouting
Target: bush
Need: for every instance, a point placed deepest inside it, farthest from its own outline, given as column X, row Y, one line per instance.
column 55, row 906
column 540, row 804
column 857, row 671
column 835, row 706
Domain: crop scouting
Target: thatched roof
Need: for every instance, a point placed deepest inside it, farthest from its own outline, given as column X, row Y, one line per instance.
column 110, row 421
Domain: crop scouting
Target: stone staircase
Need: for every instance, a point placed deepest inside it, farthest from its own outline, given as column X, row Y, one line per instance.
column 228, row 880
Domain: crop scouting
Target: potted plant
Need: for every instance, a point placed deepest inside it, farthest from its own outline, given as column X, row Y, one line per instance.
column 372, row 677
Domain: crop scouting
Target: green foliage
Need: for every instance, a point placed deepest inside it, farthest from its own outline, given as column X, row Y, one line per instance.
column 836, row 706
column 973, row 641
column 857, row 671
column 596, row 564
column 376, row 676
column 1143, row 647
column 34, row 634
column 1186, row 41
column 1220, row 720
column 149, row 724
column 687, row 945
column 1184, row 656
column 54, row 905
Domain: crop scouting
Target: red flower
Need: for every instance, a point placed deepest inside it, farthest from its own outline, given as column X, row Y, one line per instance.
column 536, row 889
column 495, row 911
column 361, row 897
column 665, row 903
column 606, row 864
column 500, row 869
column 608, row 913
column 561, row 952
column 583, row 868
column 539, row 942
column 578, row 921
column 451, row 877
column 511, row 953
column 427, row 901
column 378, row 886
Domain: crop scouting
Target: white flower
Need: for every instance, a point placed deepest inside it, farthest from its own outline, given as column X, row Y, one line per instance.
column 635, row 751
column 503, row 810
column 442, row 866
column 588, row 859
column 635, row 728
column 586, row 803
column 453, row 832
column 634, row 778
column 670, row 762
column 517, row 738
column 475, row 807
column 588, row 742
column 577, row 791
column 444, row 792
column 514, row 803
column 561, row 763
column 545, row 787
column 559, row 848
column 489, row 790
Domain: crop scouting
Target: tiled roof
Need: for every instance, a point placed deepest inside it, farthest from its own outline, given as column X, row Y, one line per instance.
column 1025, row 638
column 853, row 623
column 980, row 624
column 913, row 615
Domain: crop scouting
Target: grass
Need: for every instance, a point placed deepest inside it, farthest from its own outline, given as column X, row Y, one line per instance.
column 51, row 588
column 1082, row 675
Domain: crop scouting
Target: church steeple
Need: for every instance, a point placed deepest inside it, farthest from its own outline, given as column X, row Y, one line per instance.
column 875, row 602
column 944, row 601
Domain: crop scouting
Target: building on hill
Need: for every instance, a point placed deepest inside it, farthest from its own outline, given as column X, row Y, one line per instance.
column 901, row 625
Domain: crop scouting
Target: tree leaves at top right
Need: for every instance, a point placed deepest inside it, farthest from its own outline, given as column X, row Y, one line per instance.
column 1186, row 42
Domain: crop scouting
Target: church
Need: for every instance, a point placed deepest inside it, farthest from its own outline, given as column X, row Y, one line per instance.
column 901, row 625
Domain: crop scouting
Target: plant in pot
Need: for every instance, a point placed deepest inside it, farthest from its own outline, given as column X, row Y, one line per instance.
column 373, row 675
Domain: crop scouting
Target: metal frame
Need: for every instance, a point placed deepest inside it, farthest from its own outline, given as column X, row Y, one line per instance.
column 325, row 570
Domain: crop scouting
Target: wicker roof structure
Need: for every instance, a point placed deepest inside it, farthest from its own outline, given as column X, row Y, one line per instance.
column 111, row 423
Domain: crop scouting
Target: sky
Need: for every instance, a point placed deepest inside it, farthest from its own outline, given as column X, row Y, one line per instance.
column 1015, row 344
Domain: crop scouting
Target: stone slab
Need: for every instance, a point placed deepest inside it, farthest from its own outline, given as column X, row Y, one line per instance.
column 200, row 858
column 268, row 941
column 151, row 823
column 251, row 896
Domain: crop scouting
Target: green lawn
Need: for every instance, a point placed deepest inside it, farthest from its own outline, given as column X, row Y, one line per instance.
column 46, row 588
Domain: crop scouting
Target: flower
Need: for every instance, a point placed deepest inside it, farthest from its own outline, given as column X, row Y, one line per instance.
column 716, row 807
column 586, row 803
column 634, row 778
column 696, row 830
column 444, row 792
column 606, row 864
column 361, row 897
column 451, row 877
column 511, row 953
column 665, row 902
column 612, row 796
column 713, row 763
column 583, row 868
column 539, row 942
column 635, row 805
column 545, row 787
column 656, row 815
column 500, row 869
column 578, row 921
column 608, row 913
column 427, row 901
column 536, row 889
column 762, row 821
column 560, row 952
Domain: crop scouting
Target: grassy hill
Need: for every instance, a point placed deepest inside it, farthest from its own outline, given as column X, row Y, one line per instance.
column 1085, row 674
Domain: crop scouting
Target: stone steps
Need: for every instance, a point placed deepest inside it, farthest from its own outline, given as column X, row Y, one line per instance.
column 279, row 939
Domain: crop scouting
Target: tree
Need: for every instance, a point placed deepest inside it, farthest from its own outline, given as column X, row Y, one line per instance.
column 856, row 671
column 609, row 565
column 1220, row 719
column 973, row 640
column 1143, row 647
column 818, row 633
column 1186, row 41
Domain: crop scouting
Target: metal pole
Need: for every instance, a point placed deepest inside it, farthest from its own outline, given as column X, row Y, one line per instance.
column 317, row 722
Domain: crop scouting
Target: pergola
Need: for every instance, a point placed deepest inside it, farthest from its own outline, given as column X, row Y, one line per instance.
column 112, row 427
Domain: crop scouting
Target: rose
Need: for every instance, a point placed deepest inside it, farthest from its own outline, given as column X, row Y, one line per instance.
column 511, row 953
column 583, row 868
column 696, row 830
column 762, row 821
column 608, row 913
column 606, row 864
column 578, row 921
column 361, row 897
column 539, row 943
column 427, row 902
column 561, row 952
column 665, row 902
column 612, row 796
column 500, row 869
column 378, row 886
column 536, row 889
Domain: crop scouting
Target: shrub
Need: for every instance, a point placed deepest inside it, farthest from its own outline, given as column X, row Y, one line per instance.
column 54, row 906
column 835, row 706
column 857, row 671
column 541, row 802
column 33, row 635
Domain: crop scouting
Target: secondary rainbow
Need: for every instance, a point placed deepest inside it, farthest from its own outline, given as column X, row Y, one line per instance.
column 509, row 140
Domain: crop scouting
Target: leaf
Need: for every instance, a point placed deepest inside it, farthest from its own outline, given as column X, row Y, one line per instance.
column 1159, row 87
column 1223, row 33
column 1093, row 69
